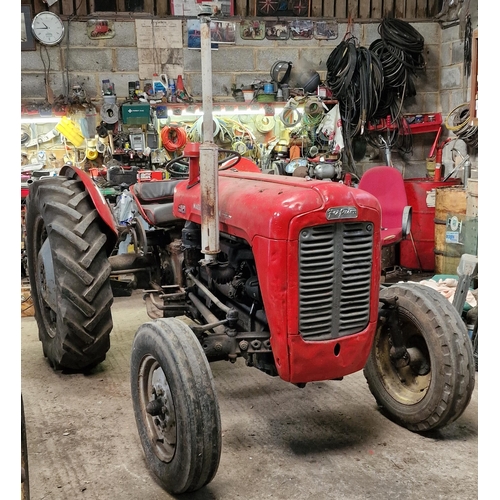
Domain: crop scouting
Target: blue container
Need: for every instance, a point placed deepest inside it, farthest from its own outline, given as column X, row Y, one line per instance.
column 268, row 88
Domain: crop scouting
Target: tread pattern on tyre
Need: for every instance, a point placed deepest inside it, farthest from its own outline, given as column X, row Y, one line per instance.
column 196, row 464
column 458, row 368
column 82, row 272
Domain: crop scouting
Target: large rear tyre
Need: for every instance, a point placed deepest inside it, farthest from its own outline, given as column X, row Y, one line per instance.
column 436, row 391
column 175, row 405
column 69, row 273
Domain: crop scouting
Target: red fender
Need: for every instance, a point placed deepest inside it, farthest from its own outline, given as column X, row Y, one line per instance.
column 98, row 200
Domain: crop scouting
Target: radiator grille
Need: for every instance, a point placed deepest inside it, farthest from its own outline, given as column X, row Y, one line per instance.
column 334, row 279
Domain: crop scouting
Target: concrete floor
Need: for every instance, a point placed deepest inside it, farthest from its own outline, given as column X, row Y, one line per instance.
column 326, row 441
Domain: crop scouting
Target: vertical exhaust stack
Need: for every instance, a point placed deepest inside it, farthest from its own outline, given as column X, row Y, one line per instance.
column 208, row 150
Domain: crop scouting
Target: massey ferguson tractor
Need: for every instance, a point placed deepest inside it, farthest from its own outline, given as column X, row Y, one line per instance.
column 284, row 272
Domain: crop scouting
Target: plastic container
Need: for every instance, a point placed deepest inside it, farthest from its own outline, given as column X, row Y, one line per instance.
column 248, row 95
column 71, row 131
column 160, row 83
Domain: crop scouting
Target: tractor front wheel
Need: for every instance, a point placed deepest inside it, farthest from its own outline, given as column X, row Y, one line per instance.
column 175, row 405
column 435, row 389
column 69, row 273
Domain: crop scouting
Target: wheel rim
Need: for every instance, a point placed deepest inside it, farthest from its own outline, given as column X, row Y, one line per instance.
column 409, row 384
column 48, row 314
column 157, row 408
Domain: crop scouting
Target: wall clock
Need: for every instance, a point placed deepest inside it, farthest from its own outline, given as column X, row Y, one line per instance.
column 47, row 28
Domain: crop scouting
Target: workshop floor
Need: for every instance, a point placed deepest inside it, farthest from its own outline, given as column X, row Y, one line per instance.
column 327, row 441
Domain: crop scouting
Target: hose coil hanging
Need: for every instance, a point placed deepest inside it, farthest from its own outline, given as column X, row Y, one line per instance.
column 173, row 137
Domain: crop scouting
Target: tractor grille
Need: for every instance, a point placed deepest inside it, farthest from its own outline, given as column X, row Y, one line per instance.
column 334, row 279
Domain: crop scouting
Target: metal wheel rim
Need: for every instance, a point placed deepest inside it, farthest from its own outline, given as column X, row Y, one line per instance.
column 162, row 428
column 403, row 384
column 49, row 316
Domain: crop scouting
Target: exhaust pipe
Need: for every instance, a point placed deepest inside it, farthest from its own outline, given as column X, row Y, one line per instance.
column 208, row 153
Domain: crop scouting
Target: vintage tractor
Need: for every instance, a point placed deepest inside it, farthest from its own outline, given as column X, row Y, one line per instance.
column 281, row 271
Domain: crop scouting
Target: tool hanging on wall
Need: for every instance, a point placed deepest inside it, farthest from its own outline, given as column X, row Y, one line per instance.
column 110, row 113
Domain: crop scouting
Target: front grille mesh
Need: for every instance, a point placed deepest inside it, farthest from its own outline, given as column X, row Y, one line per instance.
column 335, row 264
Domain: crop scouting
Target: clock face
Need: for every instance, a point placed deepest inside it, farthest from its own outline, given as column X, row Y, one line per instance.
column 48, row 28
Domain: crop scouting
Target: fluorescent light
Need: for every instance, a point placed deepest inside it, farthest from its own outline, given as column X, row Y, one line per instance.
column 41, row 119
column 222, row 111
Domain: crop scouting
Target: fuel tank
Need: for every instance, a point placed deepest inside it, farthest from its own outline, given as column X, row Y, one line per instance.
column 257, row 204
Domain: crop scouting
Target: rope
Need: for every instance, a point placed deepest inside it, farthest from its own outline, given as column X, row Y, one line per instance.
column 173, row 138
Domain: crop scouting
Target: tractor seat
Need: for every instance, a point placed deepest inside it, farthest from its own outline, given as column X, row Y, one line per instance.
column 155, row 200
column 387, row 185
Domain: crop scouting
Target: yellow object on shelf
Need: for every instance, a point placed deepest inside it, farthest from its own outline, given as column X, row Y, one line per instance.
column 71, row 131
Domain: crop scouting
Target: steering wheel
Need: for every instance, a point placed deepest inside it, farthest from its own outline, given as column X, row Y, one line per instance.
column 179, row 167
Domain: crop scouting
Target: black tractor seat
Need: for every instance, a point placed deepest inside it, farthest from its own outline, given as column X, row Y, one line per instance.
column 155, row 200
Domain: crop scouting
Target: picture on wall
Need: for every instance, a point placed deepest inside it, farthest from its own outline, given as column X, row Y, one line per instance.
column 252, row 30
column 301, row 30
column 194, row 35
column 326, row 30
column 191, row 8
column 276, row 30
column 279, row 8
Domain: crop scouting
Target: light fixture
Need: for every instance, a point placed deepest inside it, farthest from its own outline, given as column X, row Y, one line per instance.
column 41, row 119
column 221, row 110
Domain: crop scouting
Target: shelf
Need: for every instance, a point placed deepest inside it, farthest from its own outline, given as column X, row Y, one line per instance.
column 430, row 122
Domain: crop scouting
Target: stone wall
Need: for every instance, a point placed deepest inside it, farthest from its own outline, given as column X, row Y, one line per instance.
column 79, row 60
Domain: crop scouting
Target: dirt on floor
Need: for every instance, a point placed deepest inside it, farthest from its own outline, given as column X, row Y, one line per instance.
column 325, row 441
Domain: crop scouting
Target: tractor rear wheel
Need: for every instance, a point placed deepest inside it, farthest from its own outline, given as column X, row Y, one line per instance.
column 435, row 391
column 69, row 273
column 175, row 405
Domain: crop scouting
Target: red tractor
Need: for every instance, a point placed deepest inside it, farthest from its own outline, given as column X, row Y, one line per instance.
column 282, row 271
column 294, row 288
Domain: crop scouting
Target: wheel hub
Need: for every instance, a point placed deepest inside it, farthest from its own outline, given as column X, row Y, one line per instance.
column 158, row 405
column 46, row 275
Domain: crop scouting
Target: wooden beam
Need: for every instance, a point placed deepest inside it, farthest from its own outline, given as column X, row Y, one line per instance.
column 411, row 9
column 38, row 6
column 341, row 9
column 316, row 8
column 67, row 7
column 149, row 6
column 353, row 7
column 81, row 8
column 433, row 8
column 376, row 9
column 421, row 9
column 400, row 9
column 241, row 8
column 364, row 9
column 329, row 8
column 473, row 81
column 388, row 8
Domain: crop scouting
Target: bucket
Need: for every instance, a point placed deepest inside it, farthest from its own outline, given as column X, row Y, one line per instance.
column 450, row 214
column 417, row 251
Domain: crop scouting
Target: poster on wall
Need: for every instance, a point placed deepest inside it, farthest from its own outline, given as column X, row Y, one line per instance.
column 191, row 8
column 279, row 8
column 194, row 35
column 326, row 30
column 252, row 30
column 276, row 30
column 301, row 29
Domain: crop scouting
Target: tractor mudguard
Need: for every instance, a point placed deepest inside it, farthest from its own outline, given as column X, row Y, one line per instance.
column 102, row 207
